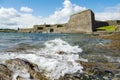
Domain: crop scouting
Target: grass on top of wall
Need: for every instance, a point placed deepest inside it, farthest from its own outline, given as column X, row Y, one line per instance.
column 107, row 28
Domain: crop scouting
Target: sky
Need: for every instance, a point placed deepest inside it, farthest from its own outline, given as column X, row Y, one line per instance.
column 26, row 13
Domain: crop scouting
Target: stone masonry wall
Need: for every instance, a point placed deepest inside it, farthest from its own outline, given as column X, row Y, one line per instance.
column 82, row 22
column 107, row 23
column 113, row 22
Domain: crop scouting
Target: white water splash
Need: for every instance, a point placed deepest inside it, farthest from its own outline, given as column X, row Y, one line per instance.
column 57, row 45
column 48, row 59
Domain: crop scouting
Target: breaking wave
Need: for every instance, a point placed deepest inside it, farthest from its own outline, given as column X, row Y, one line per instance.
column 56, row 59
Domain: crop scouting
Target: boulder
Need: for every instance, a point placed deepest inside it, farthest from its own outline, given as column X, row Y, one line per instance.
column 23, row 64
column 5, row 72
column 20, row 78
column 95, row 71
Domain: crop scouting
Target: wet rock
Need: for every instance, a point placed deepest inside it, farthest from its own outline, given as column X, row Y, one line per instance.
column 114, row 45
column 22, row 64
column 20, row 78
column 95, row 71
column 91, row 71
column 86, row 76
column 5, row 73
column 77, row 76
column 100, row 71
column 62, row 52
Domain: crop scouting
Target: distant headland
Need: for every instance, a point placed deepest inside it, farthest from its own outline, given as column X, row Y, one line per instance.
column 83, row 22
column 8, row 30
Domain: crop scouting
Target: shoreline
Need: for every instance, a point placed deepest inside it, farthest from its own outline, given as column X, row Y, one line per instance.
column 97, row 67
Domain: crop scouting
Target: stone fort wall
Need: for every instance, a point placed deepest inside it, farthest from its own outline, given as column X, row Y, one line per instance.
column 83, row 22
column 107, row 23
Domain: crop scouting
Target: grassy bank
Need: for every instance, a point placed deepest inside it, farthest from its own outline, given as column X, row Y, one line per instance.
column 107, row 28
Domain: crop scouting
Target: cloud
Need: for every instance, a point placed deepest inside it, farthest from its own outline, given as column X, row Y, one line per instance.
column 11, row 18
column 8, row 13
column 26, row 9
column 6, row 16
column 110, row 13
column 62, row 15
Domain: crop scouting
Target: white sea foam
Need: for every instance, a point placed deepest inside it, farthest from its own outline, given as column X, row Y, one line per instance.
column 53, row 64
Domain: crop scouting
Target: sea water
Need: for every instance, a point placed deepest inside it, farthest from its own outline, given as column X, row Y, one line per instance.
column 43, row 50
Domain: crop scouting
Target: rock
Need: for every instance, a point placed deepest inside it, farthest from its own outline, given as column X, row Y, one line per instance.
column 5, row 73
column 22, row 64
column 20, row 78
column 91, row 71
column 95, row 71
column 62, row 52
column 114, row 45
column 76, row 76
column 100, row 71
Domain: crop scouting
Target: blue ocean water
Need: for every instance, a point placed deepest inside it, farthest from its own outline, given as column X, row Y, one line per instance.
column 36, row 40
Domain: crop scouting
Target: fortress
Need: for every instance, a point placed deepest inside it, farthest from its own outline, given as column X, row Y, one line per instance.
column 83, row 22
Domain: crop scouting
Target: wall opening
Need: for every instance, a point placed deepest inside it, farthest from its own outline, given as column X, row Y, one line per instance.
column 47, row 25
column 39, row 28
column 51, row 30
column 59, row 26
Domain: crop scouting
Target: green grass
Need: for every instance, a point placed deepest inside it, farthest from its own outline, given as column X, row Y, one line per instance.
column 107, row 28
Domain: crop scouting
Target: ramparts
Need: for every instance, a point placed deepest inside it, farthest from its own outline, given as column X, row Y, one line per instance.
column 83, row 22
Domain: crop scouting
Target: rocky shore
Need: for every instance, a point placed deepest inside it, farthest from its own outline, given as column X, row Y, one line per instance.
column 91, row 71
column 99, row 68
column 114, row 37
column 13, row 66
column 96, row 71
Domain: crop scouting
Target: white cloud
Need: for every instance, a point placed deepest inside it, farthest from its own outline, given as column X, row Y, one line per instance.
column 6, row 16
column 8, row 13
column 62, row 15
column 110, row 13
column 26, row 9
column 11, row 18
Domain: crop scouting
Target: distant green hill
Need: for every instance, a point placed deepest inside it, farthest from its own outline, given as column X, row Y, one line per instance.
column 8, row 30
